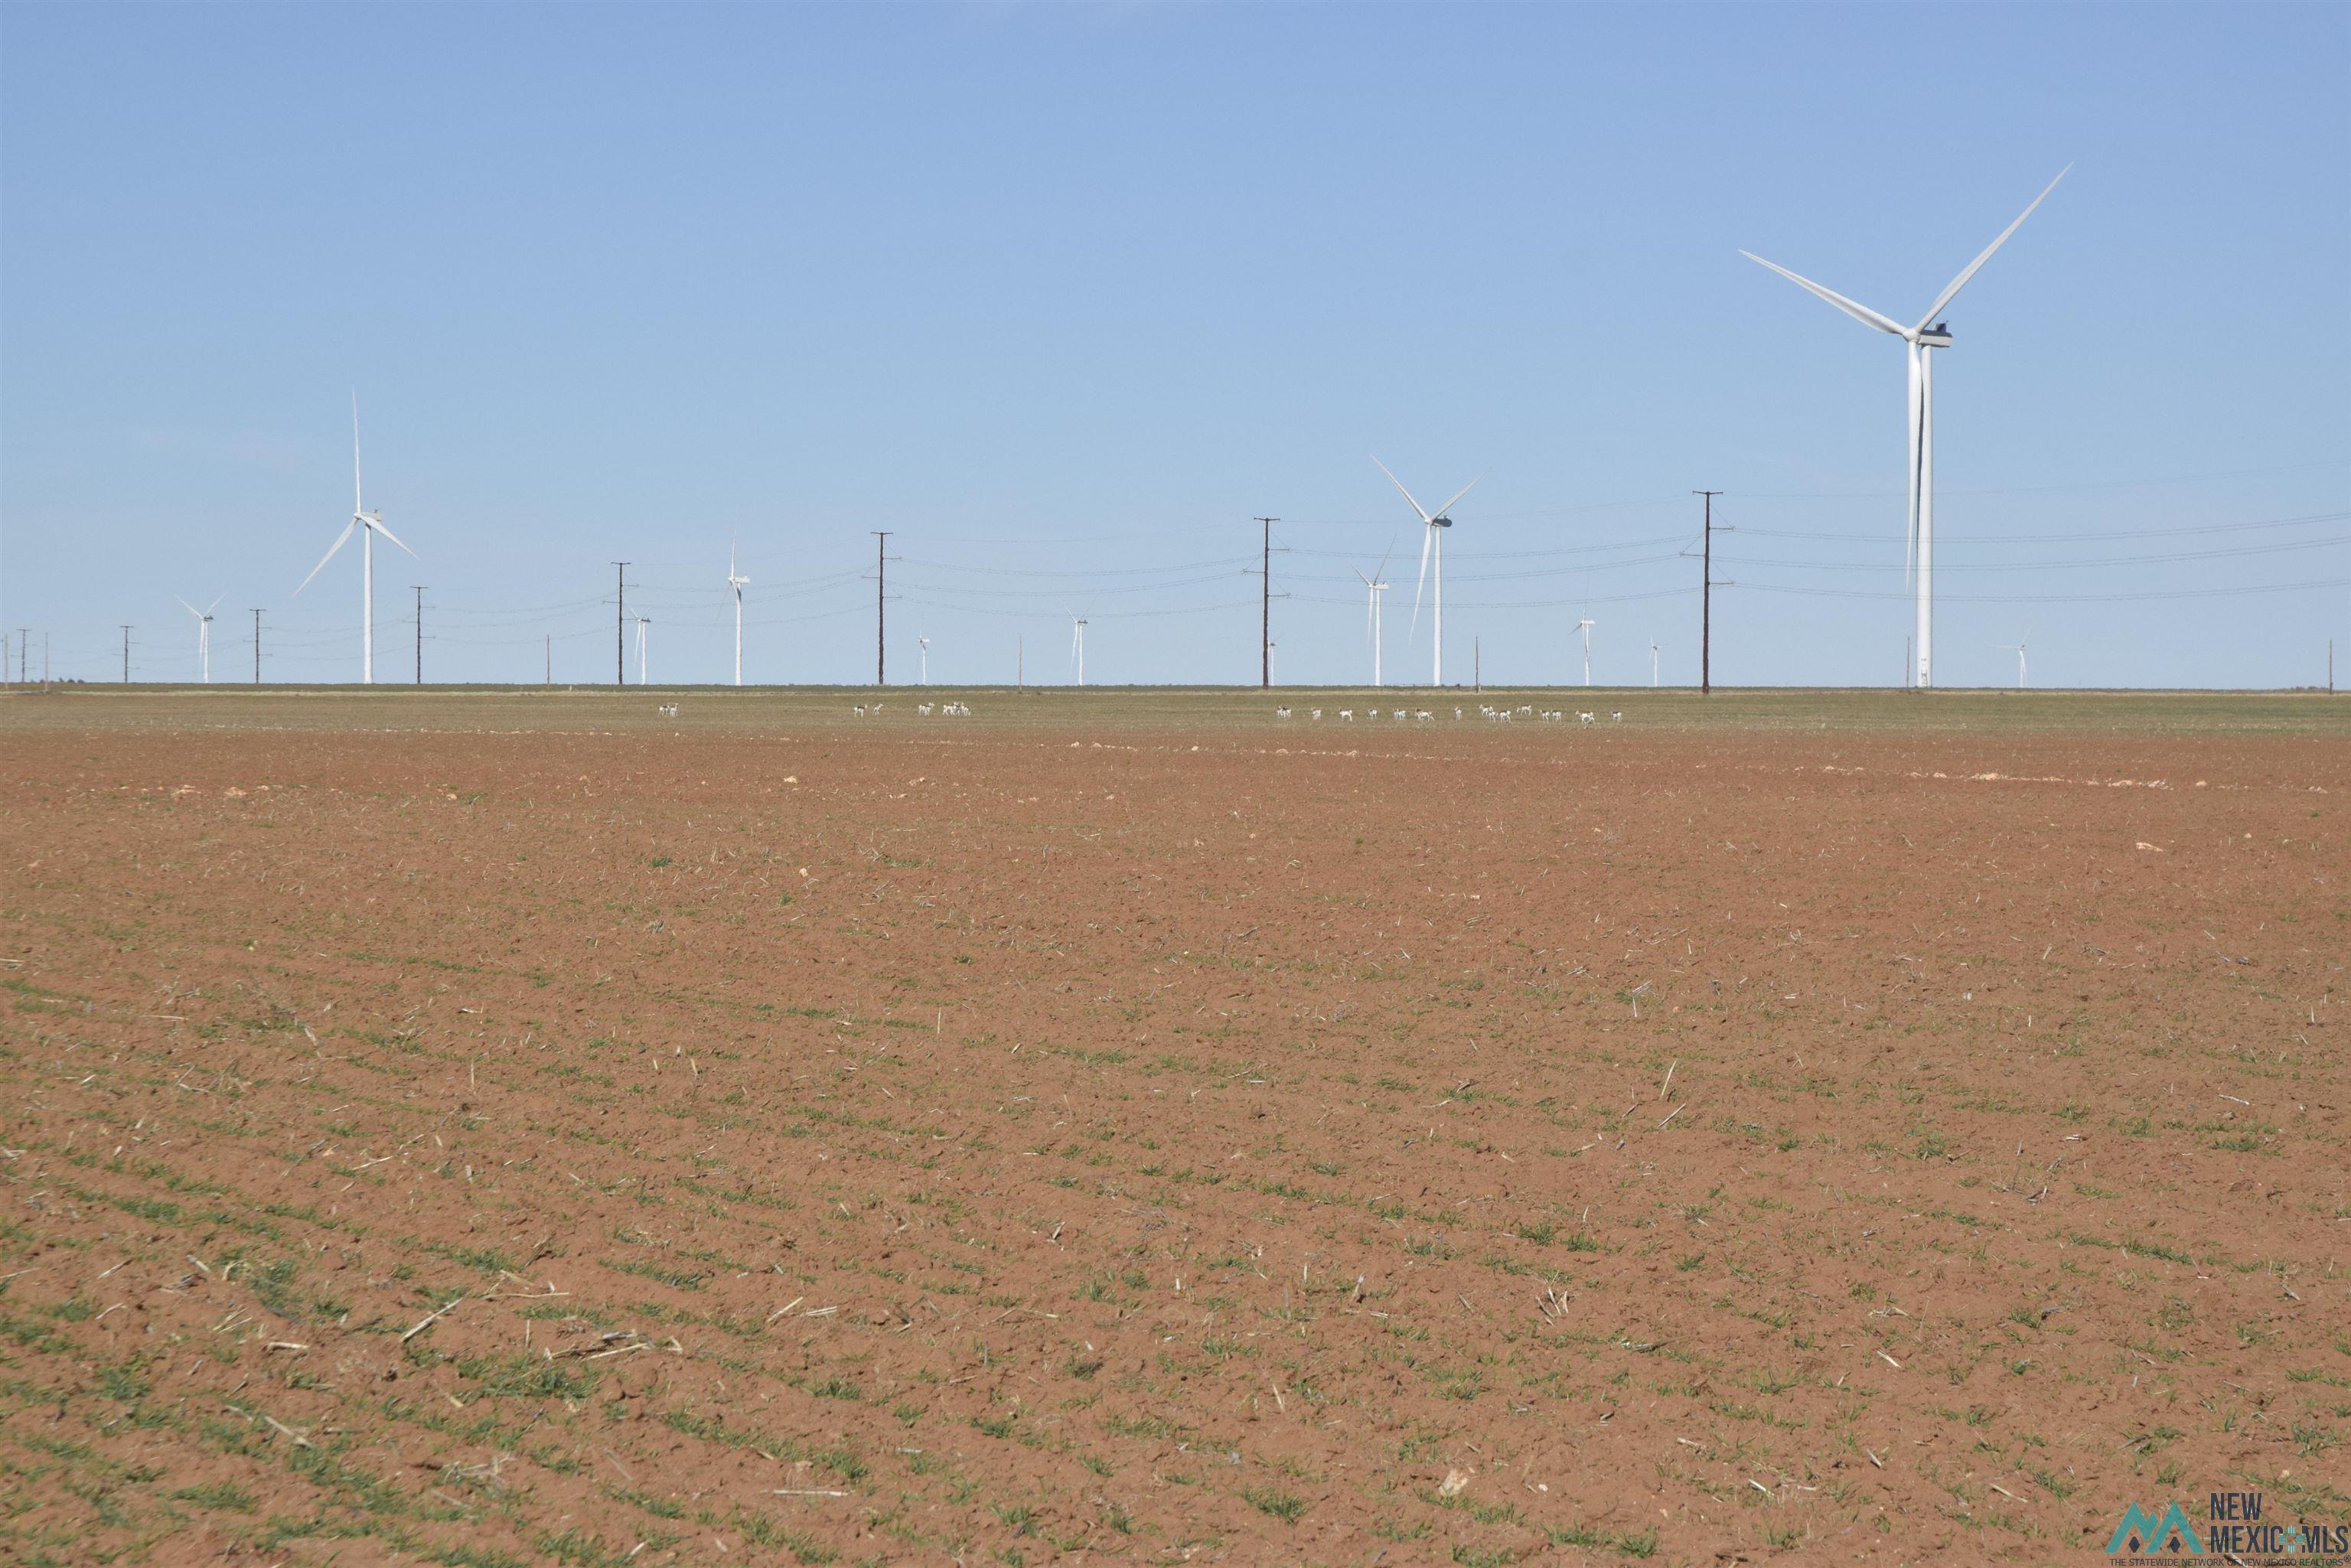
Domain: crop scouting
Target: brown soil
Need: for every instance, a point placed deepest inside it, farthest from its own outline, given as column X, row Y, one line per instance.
column 885, row 1146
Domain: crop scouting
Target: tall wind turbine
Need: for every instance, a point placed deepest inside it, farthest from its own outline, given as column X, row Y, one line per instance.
column 1927, row 334
column 2016, row 648
column 1653, row 661
column 1375, row 588
column 735, row 581
column 1077, row 644
column 642, row 622
column 1585, row 626
column 925, row 642
column 203, row 634
column 1431, row 541
column 370, row 524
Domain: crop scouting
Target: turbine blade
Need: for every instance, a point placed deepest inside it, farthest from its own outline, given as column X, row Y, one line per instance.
column 339, row 539
column 1465, row 489
column 189, row 608
column 1910, row 524
column 1360, row 577
column 357, row 503
column 1953, row 287
column 215, row 603
column 1427, row 535
column 1401, row 490
column 1859, row 313
column 1383, row 571
column 377, row 524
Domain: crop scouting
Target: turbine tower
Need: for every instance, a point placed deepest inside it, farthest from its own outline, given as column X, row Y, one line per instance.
column 1585, row 626
column 642, row 622
column 203, row 634
column 370, row 524
column 735, row 581
column 1077, row 644
column 1927, row 334
column 1431, row 541
column 1653, row 661
column 925, row 643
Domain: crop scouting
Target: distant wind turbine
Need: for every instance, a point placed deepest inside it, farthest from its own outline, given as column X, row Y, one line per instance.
column 1585, row 626
column 1375, row 588
column 642, row 622
column 370, row 524
column 203, row 634
column 1653, row 661
column 735, row 581
column 1927, row 334
column 1078, row 644
column 1432, row 542
column 925, row 642
column 2016, row 648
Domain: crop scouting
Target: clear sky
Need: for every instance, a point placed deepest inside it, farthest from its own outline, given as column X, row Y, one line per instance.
column 1065, row 295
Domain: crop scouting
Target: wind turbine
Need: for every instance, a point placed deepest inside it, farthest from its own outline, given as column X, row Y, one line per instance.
column 2016, row 648
column 1431, row 541
column 1077, row 644
column 1375, row 586
column 1927, row 334
column 1585, row 626
column 370, row 524
column 736, row 582
column 1653, row 661
column 925, row 642
column 203, row 634
column 642, row 622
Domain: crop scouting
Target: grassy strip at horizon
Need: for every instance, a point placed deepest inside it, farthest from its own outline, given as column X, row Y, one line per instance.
column 752, row 709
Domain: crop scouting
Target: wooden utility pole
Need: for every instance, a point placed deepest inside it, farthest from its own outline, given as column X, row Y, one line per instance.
column 1477, row 665
column 256, row 647
column 1706, row 602
column 881, row 581
column 550, row 658
column 1265, row 605
column 126, row 655
column 620, row 630
column 419, row 631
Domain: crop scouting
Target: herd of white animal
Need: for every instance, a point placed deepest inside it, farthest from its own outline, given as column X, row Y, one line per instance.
column 1499, row 715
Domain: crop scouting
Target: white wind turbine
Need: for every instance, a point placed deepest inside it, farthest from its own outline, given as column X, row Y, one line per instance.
column 1078, row 644
column 642, row 622
column 1653, row 661
column 1431, row 541
column 2016, row 648
column 735, row 581
column 925, row 642
column 1927, row 334
column 370, row 524
column 1585, row 626
column 203, row 634
column 1375, row 587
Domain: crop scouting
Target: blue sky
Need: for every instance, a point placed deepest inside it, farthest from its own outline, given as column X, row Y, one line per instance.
column 1064, row 296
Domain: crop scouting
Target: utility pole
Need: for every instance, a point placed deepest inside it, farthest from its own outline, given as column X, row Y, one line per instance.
column 1706, row 601
column 256, row 647
column 45, row 661
column 620, row 631
column 24, row 647
column 550, row 658
column 881, row 581
column 1020, row 662
column 419, row 631
column 1265, row 606
column 1477, row 665
column 126, row 655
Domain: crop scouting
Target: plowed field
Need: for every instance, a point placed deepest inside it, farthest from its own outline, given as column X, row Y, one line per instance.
column 519, row 1129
